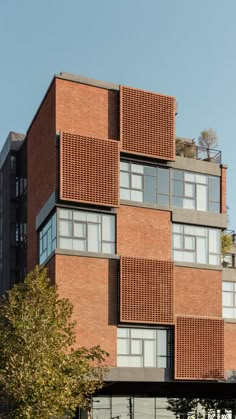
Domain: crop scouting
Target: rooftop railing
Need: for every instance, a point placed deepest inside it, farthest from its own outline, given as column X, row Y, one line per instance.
column 208, row 154
column 190, row 150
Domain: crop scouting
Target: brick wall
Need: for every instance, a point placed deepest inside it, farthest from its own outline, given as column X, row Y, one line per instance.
column 91, row 284
column 89, row 170
column 223, row 189
column 198, row 292
column 199, row 348
column 144, row 233
column 146, row 291
column 41, row 168
column 230, row 345
column 147, row 123
column 87, row 110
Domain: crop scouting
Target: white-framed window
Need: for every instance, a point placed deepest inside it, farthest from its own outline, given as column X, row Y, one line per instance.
column 80, row 230
column 47, row 239
column 164, row 186
column 144, row 348
column 196, row 244
column 86, row 231
column 229, row 299
column 195, row 191
column 144, row 183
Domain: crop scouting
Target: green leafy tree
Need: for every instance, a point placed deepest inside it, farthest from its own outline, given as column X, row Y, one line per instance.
column 41, row 375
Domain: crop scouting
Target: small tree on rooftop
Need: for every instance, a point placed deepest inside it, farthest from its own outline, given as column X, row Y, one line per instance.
column 208, row 139
column 226, row 245
column 41, row 375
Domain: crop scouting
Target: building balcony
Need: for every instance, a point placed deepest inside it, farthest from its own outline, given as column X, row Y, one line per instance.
column 187, row 148
column 228, row 258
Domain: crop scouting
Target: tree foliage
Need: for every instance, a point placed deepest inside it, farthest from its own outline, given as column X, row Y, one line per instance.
column 181, row 407
column 208, row 139
column 185, row 148
column 41, row 375
column 226, row 244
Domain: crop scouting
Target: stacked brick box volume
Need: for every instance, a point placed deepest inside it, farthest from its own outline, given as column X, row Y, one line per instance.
column 111, row 237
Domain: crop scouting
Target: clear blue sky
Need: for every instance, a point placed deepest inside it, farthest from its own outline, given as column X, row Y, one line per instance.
column 185, row 48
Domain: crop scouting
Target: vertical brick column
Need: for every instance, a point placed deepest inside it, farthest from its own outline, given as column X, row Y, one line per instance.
column 223, row 188
column 41, row 168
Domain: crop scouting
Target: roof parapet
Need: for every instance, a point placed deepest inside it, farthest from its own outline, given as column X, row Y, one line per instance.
column 13, row 142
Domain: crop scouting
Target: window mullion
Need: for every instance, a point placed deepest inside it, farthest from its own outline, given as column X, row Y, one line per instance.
column 143, row 351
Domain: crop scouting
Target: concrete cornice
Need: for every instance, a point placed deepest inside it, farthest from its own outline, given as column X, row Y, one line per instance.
column 88, row 81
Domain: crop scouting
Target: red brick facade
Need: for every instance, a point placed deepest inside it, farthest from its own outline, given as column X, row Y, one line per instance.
column 146, row 291
column 145, row 287
column 144, row 233
column 41, row 168
column 89, row 170
column 230, row 344
column 147, row 122
column 199, row 348
column 87, row 110
column 223, row 190
column 91, row 286
column 198, row 292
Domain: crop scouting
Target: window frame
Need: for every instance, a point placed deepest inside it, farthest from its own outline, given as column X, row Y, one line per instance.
column 195, row 184
column 232, row 293
column 86, row 223
column 183, row 235
column 172, row 179
column 144, row 176
column 44, row 235
column 158, row 356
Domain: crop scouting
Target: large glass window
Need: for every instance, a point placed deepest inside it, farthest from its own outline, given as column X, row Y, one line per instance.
column 196, row 244
column 163, row 186
column 130, row 406
column 143, row 183
column 229, row 299
column 86, row 231
column 47, row 239
column 144, row 348
column 77, row 230
column 195, row 191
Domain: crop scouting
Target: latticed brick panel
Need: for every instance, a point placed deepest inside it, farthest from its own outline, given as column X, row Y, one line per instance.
column 89, row 170
column 146, row 291
column 147, row 123
column 199, row 348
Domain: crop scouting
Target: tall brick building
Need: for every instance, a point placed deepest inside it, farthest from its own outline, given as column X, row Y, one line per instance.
column 129, row 226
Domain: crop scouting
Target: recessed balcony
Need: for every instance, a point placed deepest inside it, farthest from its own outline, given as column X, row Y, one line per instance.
column 228, row 257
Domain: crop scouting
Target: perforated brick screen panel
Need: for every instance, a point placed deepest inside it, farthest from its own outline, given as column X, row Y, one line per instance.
column 147, row 123
column 146, row 291
column 199, row 348
column 89, row 170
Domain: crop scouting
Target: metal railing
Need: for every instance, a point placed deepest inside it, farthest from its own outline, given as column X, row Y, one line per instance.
column 190, row 150
column 208, row 154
